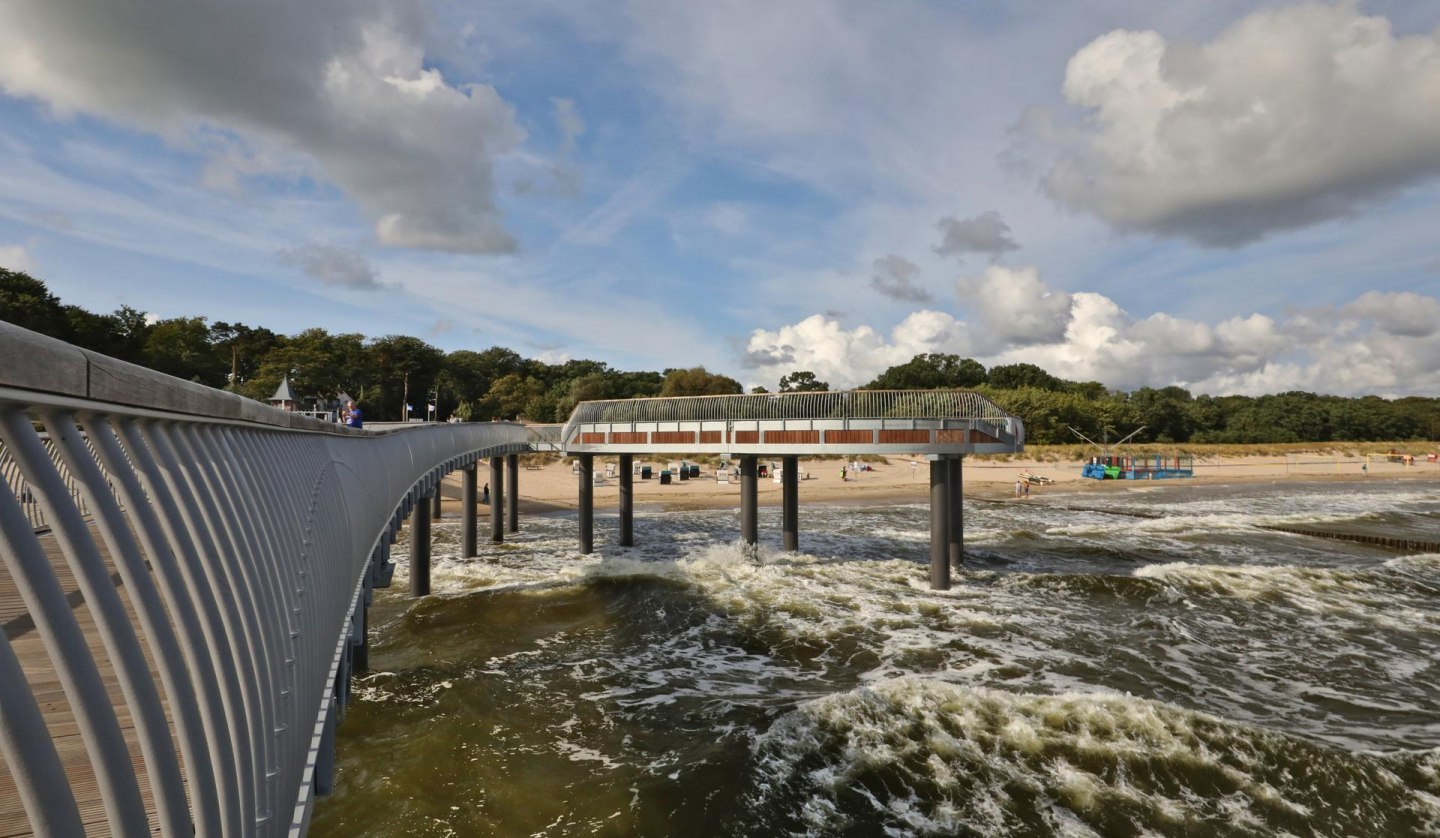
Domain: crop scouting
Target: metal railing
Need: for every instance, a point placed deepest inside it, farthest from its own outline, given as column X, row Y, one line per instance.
column 546, row 437
column 245, row 541
column 849, row 404
column 12, row 476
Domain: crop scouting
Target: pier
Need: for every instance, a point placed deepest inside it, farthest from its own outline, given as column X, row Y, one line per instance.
column 186, row 573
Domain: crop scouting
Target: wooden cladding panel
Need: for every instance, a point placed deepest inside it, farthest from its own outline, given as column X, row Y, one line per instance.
column 978, row 437
column 792, row 437
column 629, row 438
column 849, row 437
column 672, row 437
column 904, row 437
column 747, row 437
column 952, row 437
column 592, row 438
column 711, row 437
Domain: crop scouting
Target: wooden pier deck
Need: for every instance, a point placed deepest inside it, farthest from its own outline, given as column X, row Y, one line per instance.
column 30, row 649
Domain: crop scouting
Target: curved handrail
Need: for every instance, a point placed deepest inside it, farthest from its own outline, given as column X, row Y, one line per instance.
column 244, row 537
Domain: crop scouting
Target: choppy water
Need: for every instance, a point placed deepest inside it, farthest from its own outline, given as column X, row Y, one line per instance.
column 1089, row 674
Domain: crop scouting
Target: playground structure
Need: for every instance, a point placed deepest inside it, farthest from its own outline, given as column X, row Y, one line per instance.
column 1152, row 467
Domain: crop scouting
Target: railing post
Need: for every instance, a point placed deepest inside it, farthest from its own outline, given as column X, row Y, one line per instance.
column 587, row 503
column 956, row 524
column 749, row 531
column 420, row 549
column 627, row 500
column 939, row 520
column 790, row 502
column 497, row 498
column 512, row 492
column 469, row 525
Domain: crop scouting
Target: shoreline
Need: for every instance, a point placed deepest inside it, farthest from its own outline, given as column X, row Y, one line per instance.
column 552, row 488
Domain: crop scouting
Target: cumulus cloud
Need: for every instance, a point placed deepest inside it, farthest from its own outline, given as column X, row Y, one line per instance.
column 1381, row 343
column 1403, row 314
column 331, row 265
column 16, row 258
column 894, row 276
column 985, row 233
column 1292, row 116
column 342, row 85
column 851, row 357
column 1015, row 305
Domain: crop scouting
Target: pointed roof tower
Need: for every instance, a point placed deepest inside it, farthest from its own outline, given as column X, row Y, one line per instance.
column 284, row 397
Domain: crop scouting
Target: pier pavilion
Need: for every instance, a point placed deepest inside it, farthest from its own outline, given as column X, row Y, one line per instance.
column 185, row 573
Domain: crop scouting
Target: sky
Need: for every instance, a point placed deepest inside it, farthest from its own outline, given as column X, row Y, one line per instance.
column 1233, row 197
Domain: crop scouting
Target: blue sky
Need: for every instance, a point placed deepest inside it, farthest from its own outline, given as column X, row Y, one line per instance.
column 1231, row 196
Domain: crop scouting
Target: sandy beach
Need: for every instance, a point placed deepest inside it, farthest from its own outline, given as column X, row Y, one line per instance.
column 553, row 486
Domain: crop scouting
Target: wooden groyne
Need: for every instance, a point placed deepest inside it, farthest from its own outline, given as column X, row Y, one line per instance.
column 1404, row 545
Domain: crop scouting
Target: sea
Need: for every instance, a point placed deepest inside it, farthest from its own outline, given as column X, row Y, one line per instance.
column 1148, row 662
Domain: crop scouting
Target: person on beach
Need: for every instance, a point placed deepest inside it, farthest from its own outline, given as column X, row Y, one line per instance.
column 1027, row 490
column 844, row 474
column 485, row 494
column 351, row 415
column 1019, row 487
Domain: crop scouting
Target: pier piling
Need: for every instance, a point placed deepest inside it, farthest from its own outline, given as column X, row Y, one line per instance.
column 512, row 493
column 939, row 525
column 420, row 549
column 790, row 502
column 469, row 524
column 587, row 503
column 627, row 500
column 749, row 531
column 956, row 524
column 497, row 499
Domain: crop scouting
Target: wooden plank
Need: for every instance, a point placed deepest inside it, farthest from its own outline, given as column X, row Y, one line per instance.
column 60, row 720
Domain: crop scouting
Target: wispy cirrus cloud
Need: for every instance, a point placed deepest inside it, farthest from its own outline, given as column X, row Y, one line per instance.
column 339, row 267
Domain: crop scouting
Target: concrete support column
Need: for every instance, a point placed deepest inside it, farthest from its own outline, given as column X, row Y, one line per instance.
column 956, row 524
column 420, row 549
column 790, row 502
column 749, row 529
column 587, row 503
column 627, row 500
column 512, row 493
column 360, row 627
column 939, row 521
column 497, row 499
column 435, row 502
column 469, row 524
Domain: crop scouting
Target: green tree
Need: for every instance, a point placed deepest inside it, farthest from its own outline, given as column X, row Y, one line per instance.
column 406, row 369
column 240, row 349
column 802, row 381
column 319, row 365
column 514, row 396
column 1012, row 376
column 697, row 381
column 26, row 302
column 931, row 371
column 181, row 347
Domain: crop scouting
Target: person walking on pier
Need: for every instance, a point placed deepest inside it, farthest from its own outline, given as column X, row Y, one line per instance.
column 351, row 415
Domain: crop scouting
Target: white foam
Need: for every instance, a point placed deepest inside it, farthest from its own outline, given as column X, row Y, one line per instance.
column 990, row 760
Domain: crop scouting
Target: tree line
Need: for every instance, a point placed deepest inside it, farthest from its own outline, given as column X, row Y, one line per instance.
column 386, row 373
